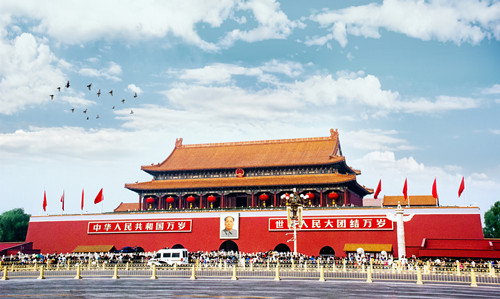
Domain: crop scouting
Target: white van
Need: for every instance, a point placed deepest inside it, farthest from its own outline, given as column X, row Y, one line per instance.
column 169, row 257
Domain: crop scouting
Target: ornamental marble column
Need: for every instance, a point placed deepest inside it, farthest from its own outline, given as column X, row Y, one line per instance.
column 400, row 219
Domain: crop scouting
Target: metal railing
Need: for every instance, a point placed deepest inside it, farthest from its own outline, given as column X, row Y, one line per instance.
column 423, row 273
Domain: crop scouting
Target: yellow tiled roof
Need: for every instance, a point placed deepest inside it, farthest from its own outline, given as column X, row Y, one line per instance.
column 349, row 247
column 94, row 248
column 125, row 207
column 415, row 200
column 266, row 153
column 285, row 180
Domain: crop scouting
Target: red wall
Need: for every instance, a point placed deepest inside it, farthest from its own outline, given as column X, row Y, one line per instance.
column 254, row 236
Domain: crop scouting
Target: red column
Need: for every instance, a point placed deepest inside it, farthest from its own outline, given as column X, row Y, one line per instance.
column 222, row 200
column 140, row 204
column 274, row 198
column 345, row 198
column 201, row 201
column 321, row 198
column 253, row 203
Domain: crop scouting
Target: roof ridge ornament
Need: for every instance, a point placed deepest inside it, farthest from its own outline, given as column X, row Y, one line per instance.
column 333, row 132
column 178, row 142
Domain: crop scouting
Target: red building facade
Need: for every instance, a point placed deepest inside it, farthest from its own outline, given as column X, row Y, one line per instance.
column 199, row 187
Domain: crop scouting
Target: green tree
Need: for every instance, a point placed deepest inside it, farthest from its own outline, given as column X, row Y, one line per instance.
column 492, row 222
column 14, row 225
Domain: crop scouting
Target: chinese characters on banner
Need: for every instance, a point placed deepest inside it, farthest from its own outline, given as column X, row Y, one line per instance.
column 140, row 226
column 334, row 223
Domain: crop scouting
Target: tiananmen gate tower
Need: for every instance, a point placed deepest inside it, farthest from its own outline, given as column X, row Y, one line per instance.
column 198, row 186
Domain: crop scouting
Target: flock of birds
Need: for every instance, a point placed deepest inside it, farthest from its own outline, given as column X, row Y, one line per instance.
column 85, row 111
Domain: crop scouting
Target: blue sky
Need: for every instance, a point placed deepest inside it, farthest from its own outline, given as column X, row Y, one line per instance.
column 412, row 86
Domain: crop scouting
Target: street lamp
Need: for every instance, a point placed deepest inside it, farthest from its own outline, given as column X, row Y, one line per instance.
column 294, row 203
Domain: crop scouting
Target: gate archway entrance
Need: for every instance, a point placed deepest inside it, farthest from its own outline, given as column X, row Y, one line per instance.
column 327, row 250
column 228, row 246
column 282, row 248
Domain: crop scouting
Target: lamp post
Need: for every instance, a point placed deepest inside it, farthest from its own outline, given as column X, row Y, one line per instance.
column 294, row 203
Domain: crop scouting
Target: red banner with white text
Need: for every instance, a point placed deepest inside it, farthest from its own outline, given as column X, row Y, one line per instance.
column 140, row 226
column 334, row 223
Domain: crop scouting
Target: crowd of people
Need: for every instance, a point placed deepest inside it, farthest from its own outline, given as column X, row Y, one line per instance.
column 229, row 258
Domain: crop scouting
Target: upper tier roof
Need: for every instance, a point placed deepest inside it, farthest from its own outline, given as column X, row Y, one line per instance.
column 250, row 154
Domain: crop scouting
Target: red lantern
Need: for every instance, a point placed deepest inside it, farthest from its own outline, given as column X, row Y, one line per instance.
column 170, row 200
column 333, row 195
column 264, row 197
column 310, row 195
column 190, row 199
column 211, row 199
column 150, row 200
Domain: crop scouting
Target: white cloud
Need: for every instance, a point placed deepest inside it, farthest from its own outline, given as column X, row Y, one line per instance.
column 53, row 142
column 131, row 20
column 440, row 104
column 380, row 141
column 112, row 72
column 28, row 73
column 445, row 21
column 272, row 23
column 134, row 88
column 495, row 89
column 215, row 87
column 221, row 73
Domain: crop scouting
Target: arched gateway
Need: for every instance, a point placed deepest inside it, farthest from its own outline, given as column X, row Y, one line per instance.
column 228, row 246
column 282, row 248
column 327, row 250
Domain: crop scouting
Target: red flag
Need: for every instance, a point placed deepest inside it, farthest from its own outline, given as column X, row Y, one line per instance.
column 405, row 189
column 82, row 199
column 462, row 187
column 44, row 201
column 379, row 188
column 99, row 197
column 434, row 190
column 62, row 200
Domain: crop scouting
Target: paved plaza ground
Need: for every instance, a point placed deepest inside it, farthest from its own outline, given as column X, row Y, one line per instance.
column 218, row 288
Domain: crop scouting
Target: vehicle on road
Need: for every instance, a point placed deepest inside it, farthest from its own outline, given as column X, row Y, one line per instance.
column 129, row 249
column 169, row 257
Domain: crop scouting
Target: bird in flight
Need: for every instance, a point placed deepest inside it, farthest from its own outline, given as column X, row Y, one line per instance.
column 89, row 86
column 99, row 93
column 67, row 84
column 135, row 95
column 113, row 107
column 111, row 92
column 85, row 111
column 59, row 89
column 97, row 116
column 123, row 101
column 51, row 96
column 72, row 109
column 131, row 111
